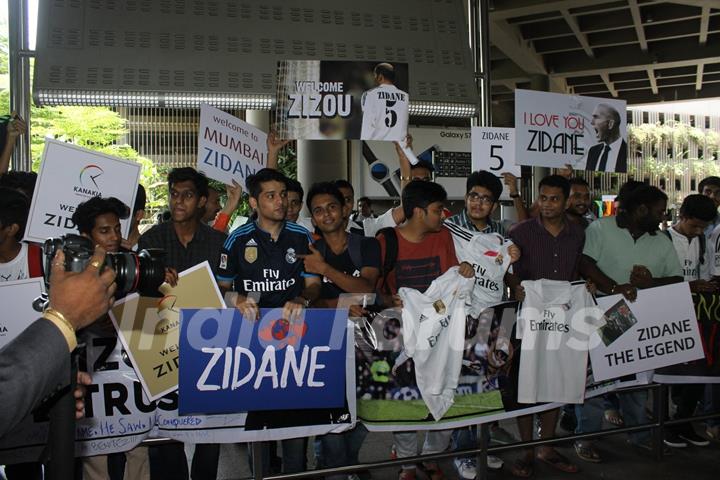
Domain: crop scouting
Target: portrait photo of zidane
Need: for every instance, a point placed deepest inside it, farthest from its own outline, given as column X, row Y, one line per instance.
column 385, row 107
column 610, row 153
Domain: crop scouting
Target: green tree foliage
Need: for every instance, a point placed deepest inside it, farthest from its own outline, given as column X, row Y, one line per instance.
column 4, row 55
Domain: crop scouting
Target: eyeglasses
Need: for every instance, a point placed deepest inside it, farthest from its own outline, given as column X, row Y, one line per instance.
column 476, row 197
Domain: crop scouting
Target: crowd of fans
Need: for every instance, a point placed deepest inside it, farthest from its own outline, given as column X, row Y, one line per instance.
column 559, row 238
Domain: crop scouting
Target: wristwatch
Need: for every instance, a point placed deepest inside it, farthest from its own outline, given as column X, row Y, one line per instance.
column 305, row 301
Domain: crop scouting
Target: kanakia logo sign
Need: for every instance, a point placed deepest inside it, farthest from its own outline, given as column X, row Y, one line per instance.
column 89, row 181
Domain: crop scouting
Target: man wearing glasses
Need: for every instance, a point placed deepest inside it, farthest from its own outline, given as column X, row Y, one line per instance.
column 483, row 191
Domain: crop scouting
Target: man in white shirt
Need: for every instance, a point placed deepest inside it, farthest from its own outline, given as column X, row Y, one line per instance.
column 370, row 226
column 15, row 265
column 14, row 207
column 710, row 187
column 696, row 213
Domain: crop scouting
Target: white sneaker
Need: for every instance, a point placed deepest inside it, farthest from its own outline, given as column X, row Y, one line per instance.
column 466, row 468
column 494, row 463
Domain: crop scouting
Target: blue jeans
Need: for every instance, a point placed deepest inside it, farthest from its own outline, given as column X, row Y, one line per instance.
column 464, row 438
column 589, row 415
column 341, row 449
column 632, row 407
column 711, row 403
column 294, row 455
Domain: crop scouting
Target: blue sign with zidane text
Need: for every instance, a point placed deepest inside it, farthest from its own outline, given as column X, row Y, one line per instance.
column 229, row 364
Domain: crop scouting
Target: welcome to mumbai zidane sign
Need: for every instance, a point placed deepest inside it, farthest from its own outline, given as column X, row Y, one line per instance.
column 229, row 148
column 231, row 364
column 658, row 329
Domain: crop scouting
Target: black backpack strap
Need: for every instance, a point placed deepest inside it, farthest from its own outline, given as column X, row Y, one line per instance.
column 355, row 249
column 321, row 246
column 391, row 253
column 391, row 249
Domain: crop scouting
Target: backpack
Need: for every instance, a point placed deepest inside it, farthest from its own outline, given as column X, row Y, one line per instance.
column 354, row 248
column 702, row 245
column 391, row 252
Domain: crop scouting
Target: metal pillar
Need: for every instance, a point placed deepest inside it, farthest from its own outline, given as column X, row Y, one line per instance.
column 259, row 119
column 480, row 48
column 321, row 160
column 19, row 67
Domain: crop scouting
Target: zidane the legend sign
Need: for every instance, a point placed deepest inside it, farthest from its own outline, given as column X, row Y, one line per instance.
column 320, row 100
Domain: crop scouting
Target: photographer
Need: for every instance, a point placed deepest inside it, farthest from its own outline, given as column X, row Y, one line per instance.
column 36, row 363
column 98, row 219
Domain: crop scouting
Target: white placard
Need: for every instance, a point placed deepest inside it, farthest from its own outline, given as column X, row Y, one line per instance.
column 553, row 130
column 70, row 175
column 493, row 149
column 17, row 298
column 229, row 148
column 657, row 330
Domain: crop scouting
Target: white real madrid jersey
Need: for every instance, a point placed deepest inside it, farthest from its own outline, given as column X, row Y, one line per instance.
column 688, row 251
column 713, row 253
column 555, row 322
column 385, row 113
column 488, row 254
column 434, row 335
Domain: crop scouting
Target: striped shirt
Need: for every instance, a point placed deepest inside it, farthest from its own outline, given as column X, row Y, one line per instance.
column 545, row 256
column 461, row 219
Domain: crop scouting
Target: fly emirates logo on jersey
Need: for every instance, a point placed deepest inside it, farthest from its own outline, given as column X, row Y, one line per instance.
column 271, row 282
column 485, row 279
column 549, row 323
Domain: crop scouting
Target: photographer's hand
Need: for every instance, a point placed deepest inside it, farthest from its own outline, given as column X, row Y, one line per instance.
column 82, row 298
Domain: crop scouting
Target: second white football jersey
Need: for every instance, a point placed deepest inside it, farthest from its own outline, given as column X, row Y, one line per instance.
column 434, row 336
column 555, row 322
column 488, row 254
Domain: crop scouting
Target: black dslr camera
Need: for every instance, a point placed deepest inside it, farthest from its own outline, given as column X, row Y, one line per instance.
column 140, row 272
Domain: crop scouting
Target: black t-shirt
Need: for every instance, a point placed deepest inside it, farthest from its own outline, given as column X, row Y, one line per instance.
column 370, row 253
column 254, row 262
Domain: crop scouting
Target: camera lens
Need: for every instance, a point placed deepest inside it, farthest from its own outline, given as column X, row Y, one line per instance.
column 142, row 273
column 152, row 271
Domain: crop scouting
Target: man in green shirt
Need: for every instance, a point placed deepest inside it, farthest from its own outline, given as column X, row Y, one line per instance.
column 627, row 252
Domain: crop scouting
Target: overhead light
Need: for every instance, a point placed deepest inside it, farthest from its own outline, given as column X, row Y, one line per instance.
column 109, row 98
column 442, row 109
